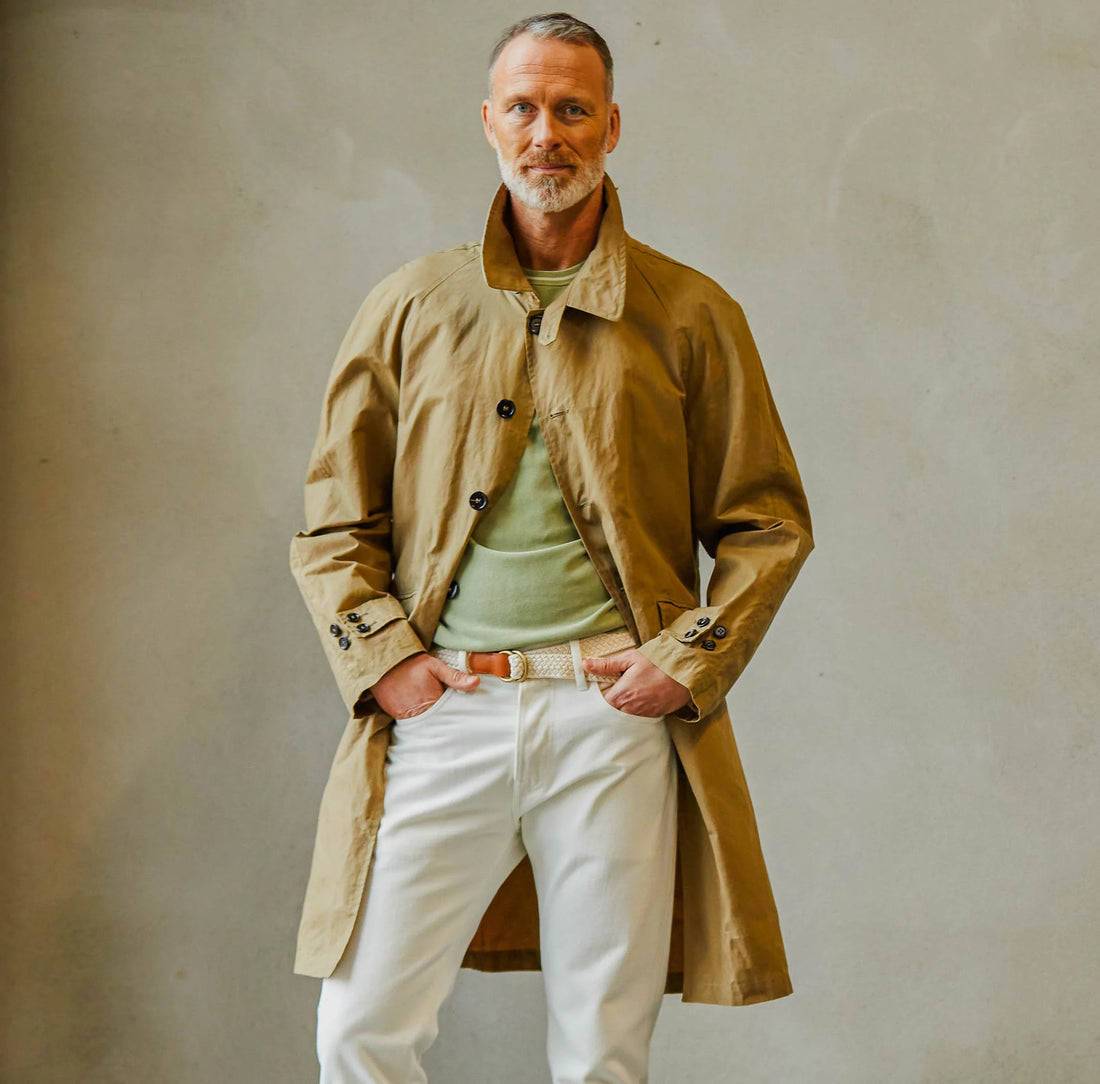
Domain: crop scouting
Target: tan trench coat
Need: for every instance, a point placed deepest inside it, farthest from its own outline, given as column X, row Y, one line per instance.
column 661, row 431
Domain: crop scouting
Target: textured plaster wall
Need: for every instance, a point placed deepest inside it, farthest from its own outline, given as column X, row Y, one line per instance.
column 196, row 197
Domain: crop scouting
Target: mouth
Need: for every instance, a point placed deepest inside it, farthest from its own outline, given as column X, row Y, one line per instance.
column 555, row 168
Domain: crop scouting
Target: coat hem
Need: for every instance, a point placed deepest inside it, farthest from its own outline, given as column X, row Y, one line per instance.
column 769, row 988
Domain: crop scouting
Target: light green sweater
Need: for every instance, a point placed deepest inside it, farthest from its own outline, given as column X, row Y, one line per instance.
column 525, row 579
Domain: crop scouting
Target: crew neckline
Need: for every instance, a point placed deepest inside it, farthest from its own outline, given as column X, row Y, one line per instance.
column 556, row 273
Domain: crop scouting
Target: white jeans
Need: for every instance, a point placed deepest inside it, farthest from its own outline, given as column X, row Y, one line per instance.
column 540, row 767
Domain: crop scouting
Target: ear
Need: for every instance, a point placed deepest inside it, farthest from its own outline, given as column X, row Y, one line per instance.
column 614, row 122
column 487, row 123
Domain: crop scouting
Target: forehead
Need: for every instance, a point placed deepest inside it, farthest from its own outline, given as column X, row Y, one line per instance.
column 530, row 65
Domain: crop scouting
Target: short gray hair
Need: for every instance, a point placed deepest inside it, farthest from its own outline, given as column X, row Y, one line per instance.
column 564, row 27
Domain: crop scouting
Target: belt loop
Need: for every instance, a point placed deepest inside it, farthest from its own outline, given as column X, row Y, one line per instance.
column 578, row 665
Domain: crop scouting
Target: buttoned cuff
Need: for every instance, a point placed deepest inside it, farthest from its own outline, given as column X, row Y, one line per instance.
column 366, row 642
column 690, row 651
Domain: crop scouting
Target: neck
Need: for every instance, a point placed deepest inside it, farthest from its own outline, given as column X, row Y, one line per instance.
column 551, row 241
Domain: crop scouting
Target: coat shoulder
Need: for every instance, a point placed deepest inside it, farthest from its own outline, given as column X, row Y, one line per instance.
column 683, row 291
column 420, row 277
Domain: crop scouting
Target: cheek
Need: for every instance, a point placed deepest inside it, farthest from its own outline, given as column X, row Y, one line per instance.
column 509, row 138
column 587, row 148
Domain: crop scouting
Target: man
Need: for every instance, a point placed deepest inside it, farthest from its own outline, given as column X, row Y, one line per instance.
column 522, row 444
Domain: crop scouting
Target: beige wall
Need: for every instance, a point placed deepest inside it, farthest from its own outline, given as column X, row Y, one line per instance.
column 195, row 199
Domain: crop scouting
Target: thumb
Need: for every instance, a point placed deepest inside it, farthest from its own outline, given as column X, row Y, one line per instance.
column 608, row 665
column 456, row 679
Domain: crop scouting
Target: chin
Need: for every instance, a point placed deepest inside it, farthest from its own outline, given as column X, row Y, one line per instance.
column 554, row 197
column 551, row 194
column 550, row 200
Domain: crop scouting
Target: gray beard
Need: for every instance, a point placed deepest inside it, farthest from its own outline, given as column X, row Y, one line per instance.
column 550, row 193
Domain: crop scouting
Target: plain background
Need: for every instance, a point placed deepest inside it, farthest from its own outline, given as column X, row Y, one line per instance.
column 196, row 198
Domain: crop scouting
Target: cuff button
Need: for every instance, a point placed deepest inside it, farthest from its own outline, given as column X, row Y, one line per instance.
column 690, row 633
column 718, row 631
column 344, row 643
column 709, row 645
column 335, row 630
column 703, row 622
column 362, row 628
column 353, row 617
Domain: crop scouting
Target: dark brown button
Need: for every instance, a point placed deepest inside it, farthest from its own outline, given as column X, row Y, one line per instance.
column 709, row 645
column 506, row 408
column 703, row 622
column 534, row 322
column 335, row 630
column 452, row 591
column 345, row 643
column 690, row 633
column 362, row 628
column 353, row 617
column 478, row 500
column 718, row 631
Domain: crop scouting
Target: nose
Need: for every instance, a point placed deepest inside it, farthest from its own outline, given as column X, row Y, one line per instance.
column 545, row 134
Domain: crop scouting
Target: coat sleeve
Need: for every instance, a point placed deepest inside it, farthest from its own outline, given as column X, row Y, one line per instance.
column 343, row 560
column 748, row 509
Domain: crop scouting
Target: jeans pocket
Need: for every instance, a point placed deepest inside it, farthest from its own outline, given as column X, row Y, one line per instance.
column 624, row 714
column 431, row 709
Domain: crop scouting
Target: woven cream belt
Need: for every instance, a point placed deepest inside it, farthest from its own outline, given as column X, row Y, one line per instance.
column 556, row 661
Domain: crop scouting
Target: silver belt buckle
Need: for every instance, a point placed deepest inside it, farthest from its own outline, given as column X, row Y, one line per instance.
column 522, row 665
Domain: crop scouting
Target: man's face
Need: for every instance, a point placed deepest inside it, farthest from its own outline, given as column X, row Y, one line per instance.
column 549, row 121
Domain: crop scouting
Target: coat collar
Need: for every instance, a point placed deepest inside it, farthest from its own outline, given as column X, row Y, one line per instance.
column 600, row 286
